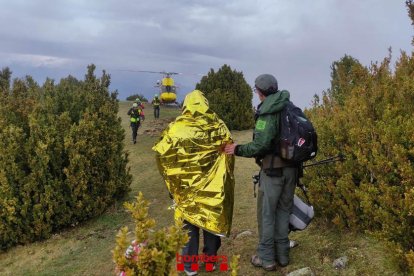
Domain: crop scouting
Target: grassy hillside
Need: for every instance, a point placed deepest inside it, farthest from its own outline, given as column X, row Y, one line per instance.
column 86, row 249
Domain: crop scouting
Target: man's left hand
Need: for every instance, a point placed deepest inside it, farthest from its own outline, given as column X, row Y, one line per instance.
column 230, row 148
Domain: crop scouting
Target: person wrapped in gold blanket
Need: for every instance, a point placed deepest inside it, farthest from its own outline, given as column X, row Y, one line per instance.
column 198, row 174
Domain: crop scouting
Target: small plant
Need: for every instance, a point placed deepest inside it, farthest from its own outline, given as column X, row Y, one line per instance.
column 234, row 264
column 150, row 253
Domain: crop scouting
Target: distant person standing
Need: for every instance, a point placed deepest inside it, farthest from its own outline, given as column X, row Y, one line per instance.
column 135, row 119
column 156, row 104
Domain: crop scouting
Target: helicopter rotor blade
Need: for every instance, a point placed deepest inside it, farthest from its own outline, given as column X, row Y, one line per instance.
column 171, row 73
column 140, row 71
column 154, row 72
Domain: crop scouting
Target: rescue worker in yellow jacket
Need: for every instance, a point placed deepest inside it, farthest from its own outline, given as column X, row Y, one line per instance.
column 156, row 104
column 135, row 114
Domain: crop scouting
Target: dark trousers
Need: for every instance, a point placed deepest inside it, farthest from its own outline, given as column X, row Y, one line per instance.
column 134, row 127
column 212, row 243
column 274, row 205
column 156, row 111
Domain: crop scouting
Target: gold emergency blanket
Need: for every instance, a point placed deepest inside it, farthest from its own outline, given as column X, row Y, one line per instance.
column 197, row 173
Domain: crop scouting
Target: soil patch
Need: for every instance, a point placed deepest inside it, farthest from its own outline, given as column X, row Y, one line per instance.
column 157, row 127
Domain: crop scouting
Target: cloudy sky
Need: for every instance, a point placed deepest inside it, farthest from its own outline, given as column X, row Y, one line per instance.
column 297, row 41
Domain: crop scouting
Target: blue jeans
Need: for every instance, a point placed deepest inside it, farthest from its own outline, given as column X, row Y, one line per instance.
column 212, row 243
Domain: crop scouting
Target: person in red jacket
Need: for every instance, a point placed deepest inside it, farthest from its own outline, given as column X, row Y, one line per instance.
column 141, row 106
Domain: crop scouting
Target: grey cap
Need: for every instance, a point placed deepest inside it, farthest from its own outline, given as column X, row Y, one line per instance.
column 266, row 83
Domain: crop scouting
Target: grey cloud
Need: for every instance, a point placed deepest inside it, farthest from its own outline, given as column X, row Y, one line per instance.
column 295, row 40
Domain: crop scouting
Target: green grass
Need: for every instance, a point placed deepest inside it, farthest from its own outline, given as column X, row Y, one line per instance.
column 85, row 249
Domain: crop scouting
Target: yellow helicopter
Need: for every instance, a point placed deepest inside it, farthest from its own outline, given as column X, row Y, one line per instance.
column 167, row 88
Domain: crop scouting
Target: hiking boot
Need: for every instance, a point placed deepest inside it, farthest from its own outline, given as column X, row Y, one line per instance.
column 190, row 273
column 293, row 243
column 256, row 261
column 135, row 141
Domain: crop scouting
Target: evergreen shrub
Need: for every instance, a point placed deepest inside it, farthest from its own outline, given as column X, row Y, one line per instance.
column 229, row 96
column 367, row 115
column 62, row 156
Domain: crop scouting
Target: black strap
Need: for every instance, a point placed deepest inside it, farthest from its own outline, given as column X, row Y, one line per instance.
column 304, row 190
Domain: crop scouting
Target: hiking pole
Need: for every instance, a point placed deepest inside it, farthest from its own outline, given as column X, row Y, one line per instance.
column 304, row 190
column 256, row 179
column 339, row 157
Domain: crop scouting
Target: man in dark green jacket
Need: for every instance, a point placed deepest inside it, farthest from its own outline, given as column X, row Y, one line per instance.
column 277, row 177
